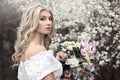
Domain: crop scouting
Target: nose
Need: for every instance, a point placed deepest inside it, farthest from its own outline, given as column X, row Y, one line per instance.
column 49, row 22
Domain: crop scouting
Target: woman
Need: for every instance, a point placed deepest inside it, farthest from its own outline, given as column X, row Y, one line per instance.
column 34, row 60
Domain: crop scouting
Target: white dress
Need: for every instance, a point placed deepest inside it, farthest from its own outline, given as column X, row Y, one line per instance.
column 39, row 66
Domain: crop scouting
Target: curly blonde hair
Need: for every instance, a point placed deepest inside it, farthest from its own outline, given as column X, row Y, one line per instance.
column 26, row 30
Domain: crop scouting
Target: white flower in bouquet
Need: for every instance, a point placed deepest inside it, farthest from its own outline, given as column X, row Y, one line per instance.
column 73, row 62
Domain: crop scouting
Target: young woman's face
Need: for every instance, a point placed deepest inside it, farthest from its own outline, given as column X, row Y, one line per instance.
column 45, row 22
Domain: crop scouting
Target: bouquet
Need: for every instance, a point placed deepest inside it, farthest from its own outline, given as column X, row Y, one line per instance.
column 76, row 59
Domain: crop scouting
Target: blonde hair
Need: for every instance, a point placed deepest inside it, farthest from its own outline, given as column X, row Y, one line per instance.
column 26, row 30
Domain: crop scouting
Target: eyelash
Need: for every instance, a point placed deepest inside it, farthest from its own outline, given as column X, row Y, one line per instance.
column 42, row 19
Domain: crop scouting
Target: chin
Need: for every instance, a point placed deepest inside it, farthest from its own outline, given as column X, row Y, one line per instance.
column 47, row 33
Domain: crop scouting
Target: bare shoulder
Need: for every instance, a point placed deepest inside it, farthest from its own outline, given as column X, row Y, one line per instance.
column 34, row 49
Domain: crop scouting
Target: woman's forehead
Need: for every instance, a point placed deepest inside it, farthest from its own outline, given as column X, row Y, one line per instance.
column 45, row 13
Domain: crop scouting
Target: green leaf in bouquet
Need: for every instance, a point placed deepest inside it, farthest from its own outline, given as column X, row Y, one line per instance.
column 59, row 48
column 81, row 59
column 76, row 51
column 69, row 53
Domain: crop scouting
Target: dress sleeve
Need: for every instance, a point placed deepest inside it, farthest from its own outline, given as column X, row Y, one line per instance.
column 43, row 64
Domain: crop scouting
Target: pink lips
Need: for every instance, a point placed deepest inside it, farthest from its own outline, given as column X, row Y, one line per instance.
column 48, row 28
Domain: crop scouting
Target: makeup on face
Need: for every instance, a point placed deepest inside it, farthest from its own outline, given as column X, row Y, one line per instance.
column 45, row 22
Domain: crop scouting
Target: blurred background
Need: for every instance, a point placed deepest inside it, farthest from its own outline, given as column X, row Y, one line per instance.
column 97, row 21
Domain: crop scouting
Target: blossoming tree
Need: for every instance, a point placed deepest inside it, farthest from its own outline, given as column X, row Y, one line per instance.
column 97, row 21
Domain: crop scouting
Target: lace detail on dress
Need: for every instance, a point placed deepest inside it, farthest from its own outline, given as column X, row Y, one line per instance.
column 40, row 65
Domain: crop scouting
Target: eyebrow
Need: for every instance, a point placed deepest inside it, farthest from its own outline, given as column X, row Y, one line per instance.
column 45, row 16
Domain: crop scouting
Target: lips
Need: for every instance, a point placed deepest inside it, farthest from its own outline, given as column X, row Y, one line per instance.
column 48, row 28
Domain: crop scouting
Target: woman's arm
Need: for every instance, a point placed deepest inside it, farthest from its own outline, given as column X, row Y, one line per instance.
column 49, row 77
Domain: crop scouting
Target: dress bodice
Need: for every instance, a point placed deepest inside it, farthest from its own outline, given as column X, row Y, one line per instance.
column 39, row 66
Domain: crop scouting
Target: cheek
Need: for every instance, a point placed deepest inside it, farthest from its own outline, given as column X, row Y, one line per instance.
column 41, row 28
column 41, row 25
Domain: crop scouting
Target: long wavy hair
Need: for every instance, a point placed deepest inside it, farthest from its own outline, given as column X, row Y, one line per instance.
column 26, row 30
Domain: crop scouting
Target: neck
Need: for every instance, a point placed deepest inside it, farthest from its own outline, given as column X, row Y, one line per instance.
column 38, row 39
